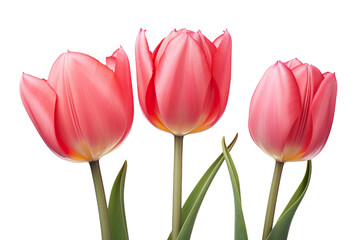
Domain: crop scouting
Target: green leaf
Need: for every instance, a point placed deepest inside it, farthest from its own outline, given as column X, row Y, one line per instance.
column 281, row 229
column 240, row 227
column 117, row 216
column 193, row 203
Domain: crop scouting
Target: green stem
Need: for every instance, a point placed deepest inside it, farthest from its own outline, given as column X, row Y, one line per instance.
column 176, row 218
column 269, row 218
column 101, row 200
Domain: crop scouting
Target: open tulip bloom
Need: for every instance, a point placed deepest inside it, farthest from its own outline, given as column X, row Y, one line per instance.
column 83, row 111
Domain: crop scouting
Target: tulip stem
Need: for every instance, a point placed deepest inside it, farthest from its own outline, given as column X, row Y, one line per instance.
column 176, row 217
column 270, row 211
column 101, row 200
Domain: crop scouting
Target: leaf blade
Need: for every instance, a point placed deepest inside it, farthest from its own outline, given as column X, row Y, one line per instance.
column 240, row 226
column 116, row 208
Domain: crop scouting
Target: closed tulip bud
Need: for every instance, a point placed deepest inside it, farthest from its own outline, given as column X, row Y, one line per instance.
column 292, row 110
column 183, row 86
column 85, row 109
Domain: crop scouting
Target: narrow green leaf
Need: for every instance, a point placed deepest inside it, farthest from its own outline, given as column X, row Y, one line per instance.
column 193, row 203
column 281, row 229
column 240, row 227
column 117, row 216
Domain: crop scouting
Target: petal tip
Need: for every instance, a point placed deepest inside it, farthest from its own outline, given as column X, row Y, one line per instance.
column 279, row 63
column 329, row 74
column 226, row 33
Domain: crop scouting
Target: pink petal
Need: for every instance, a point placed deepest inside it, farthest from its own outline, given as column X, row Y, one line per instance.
column 274, row 108
column 221, row 70
column 308, row 78
column 123, row 80
column 181, row 83
column 211, row 108
column 156, row 50
column 218, row 40
column 145, row 81
column 322, row 110
column 39, row 101
column 298, row 139
column 144, row 69
column 90, row 115
column 293, row 63
column 152, row 108
column 111, row 62
column 207, row 46
column 164, row 43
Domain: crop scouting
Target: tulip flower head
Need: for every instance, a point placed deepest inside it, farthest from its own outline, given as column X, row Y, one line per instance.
column 292, row 110
column 85, row 109
column 183, row 86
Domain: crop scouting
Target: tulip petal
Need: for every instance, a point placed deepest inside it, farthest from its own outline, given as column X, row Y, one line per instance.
column 163, row 45
column 211, row 108
column 274, row 108
column 181, row 83
column 207, row 46
column 123, row 80
column 111, row 62
column 152, row 107
column 222, row 69
column 218, row 40
column 298, row 139
column 145, row 81
column 39, row 100
column 293, row 63
column 90, row 116
column 144, row 68
column 308, row 78
column 322, row 110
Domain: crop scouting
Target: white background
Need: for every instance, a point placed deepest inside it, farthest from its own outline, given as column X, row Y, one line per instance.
column 44, row 197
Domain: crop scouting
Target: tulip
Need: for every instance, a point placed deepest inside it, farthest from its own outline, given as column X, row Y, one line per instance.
column 292, row 110
column 183, row 86
column 291, row 113
column 85, row 109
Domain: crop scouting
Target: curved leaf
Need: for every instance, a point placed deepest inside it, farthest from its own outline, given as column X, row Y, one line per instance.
column 281, row 229
column 240, row 227
column 117, row 216
column 193, row 203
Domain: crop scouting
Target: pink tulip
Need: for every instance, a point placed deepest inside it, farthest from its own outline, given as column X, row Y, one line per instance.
column 85, row 109
column 292, row 110
column 184, row 84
